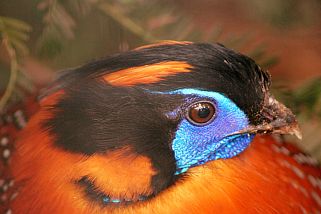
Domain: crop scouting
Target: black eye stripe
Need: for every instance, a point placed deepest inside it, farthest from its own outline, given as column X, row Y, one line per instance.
column 201, row 113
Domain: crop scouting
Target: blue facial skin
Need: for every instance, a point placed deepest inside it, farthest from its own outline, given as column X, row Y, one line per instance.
column 194, row 145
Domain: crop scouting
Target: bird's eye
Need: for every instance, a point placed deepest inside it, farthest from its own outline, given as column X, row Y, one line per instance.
column 201, row 113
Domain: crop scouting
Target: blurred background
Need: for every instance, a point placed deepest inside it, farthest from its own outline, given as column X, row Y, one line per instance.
column 40, row 37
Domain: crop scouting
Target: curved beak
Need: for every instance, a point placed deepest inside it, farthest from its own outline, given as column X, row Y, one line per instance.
column 274, row 118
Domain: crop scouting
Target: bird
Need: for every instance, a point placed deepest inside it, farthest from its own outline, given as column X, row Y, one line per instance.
column 171, row 127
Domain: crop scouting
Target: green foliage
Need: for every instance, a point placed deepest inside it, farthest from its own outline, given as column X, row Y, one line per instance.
column 287, row 13
column 308, row 98
column 49, row 47
column 13, row 34
column 16, row 32
column 304, row 100
column 147, row 20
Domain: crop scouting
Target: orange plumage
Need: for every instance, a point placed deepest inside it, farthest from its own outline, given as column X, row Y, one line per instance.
column 38, row 176
column 271, row 176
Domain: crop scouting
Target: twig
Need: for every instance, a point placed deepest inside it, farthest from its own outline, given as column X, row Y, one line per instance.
column 13, row 72
column 125, row 22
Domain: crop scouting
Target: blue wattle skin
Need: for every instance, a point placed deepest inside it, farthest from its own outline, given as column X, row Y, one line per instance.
column 195, row 145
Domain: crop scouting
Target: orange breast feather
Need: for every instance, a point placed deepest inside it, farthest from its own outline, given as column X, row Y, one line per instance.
column 269, row 177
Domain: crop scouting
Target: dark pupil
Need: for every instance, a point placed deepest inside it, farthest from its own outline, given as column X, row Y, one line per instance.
column 203, row 112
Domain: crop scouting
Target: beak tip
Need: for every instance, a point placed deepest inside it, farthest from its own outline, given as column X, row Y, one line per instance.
column 284, row 121
column 297, row 132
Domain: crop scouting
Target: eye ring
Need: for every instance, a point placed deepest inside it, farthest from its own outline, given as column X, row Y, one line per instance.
column 201, row 113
